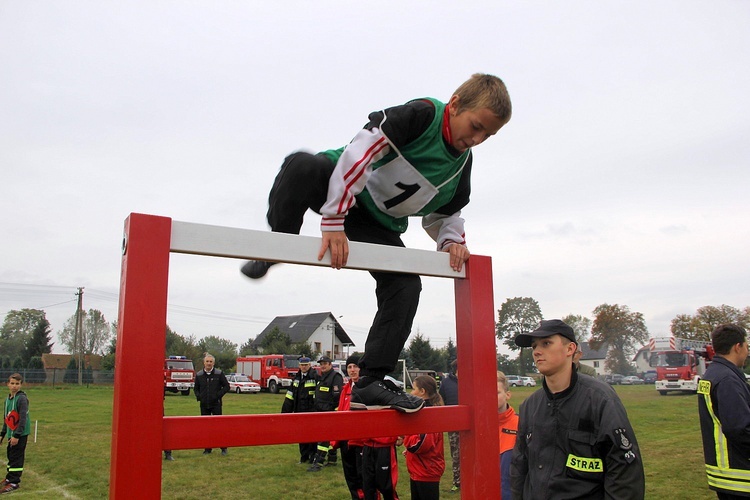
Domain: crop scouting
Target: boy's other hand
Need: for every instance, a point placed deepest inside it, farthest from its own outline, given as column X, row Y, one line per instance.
column 459, row 254
column 339, row 245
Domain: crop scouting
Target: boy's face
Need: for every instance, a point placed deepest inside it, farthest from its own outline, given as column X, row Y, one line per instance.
column 14, row 386
column 551, row 354
column 353, row 371
column 470, row 128
column 503, row 395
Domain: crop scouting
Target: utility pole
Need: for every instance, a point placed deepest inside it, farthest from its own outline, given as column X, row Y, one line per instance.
column 79, row 335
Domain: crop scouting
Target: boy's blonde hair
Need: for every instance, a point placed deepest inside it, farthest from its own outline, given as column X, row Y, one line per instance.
column 502, row 380
column 484, row 91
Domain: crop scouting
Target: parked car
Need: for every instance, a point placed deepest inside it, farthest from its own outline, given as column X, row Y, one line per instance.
column 649, row 377
column 513, row 380
column 528, row 381
column 242, row 383
column 631, row 380
column 613, row 378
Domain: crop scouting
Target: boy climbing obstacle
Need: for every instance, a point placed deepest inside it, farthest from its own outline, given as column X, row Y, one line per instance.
column 409, row 160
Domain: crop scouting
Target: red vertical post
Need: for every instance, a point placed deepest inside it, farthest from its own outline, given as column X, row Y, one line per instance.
column 477, row 364
column 135, row 468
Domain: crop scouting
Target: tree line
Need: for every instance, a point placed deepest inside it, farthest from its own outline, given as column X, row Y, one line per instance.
column 26, row 334
column 623, row 331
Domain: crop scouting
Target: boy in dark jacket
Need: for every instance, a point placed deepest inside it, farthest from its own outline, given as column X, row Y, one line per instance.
column 409, row 160
column 16, row 427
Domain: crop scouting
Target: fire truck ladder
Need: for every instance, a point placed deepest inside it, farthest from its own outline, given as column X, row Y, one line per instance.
column 140, row 432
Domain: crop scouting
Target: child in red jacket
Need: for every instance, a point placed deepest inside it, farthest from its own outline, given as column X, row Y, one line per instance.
column 508, row 424
column 424, row 453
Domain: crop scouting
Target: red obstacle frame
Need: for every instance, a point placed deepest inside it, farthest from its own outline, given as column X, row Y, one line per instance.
column 140, row 432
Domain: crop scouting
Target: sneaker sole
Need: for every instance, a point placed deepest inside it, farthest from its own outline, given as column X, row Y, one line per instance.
column 362, row 406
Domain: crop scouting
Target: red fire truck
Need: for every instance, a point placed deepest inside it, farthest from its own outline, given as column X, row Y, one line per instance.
column 271, row 371
column 679, row 363
column 179, row 375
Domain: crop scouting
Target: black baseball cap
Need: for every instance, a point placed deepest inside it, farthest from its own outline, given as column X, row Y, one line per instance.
column 324, row 359
column 546, row 328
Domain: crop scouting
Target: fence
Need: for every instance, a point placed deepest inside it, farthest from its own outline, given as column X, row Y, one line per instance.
column 141, row 432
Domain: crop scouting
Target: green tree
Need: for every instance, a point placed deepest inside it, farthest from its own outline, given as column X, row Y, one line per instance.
column 451, row 353
column 71, row 373
column 423, row 356
column 223, row 350
column 518, row 315
column 96, row 332
column 17, row 329
column 40, row 341
column 36, row 367
column 700, row 325
column 623, row 331
column 581, row 325
column 507, row 365
column 248, row 349
column 276, row 342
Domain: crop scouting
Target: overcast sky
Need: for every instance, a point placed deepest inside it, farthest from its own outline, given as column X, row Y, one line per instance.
column 622, row 178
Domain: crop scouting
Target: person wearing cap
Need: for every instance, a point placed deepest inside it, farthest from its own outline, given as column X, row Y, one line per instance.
column 573, row 434
column 300, row 398
column 327, row 393
column 351, row 450
column 724, row 413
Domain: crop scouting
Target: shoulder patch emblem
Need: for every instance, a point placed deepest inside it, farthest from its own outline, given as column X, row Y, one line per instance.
column 624, row 442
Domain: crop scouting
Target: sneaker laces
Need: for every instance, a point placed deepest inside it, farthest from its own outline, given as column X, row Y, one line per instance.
column 392, row 387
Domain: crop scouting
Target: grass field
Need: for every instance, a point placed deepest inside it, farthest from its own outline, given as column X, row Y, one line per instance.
column 71, row 456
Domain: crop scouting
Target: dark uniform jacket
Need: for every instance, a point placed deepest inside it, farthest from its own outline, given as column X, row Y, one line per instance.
column 724, row 409
column 576, row 444
column 328, row 391
column 300, row 397
column 210, row 388
column 449, row 390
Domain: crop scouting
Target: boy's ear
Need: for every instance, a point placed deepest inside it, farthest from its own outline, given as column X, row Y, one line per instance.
column 455, row 104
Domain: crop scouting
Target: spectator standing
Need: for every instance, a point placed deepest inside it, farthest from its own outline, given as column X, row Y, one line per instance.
column 573, row 434
column 16, row 427
column 724, row 409
column 327, row 393
column 300, row 398
column 583, row 368
column 210, row 386
column 351, row 450
column 508, row 425
column 449, row 393
column 413, row 159
column 425, row 455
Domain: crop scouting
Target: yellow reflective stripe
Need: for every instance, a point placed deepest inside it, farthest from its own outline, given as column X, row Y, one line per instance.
column 720, row 441
column 704, row 387
column 310, row 383
column 585, row 464
column 324, row 389
column 19, row 469
column 738, row 474
column 729, row 479
column 289, row 395
column 323, row 448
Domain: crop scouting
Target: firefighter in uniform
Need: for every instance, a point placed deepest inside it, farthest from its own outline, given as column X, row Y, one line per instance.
column 574, row 439
column 300, row 398
column 327, row 394
column 724, row 409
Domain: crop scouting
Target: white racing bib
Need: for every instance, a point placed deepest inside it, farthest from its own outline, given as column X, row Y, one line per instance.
column 398, row 189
